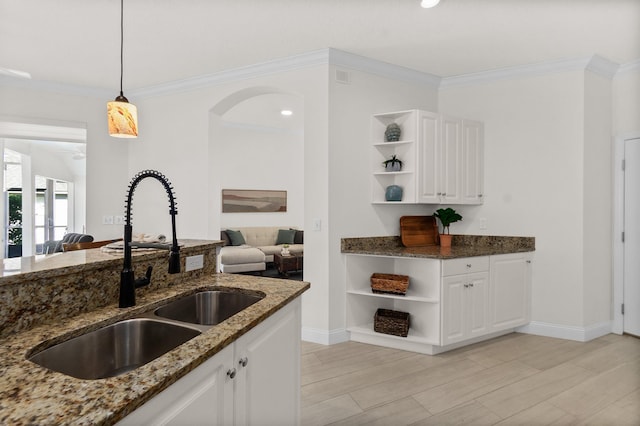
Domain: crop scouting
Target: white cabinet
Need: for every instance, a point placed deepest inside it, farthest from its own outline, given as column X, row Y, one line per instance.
column 443, row 158
column 255, row 380
column 510, row 295
column 465, row 299
column 472, row 162
column 202, row 397
column 268, row 363
column 449, row 301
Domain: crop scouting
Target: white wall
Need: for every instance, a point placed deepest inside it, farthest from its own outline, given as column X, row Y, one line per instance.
column 178, row 137
column 351, row 213
column 626, row 101
column 106, row 156
column 256, row 147
column 537, row 156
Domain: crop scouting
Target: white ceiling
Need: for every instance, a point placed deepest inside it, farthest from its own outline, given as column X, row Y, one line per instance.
column 77, row 41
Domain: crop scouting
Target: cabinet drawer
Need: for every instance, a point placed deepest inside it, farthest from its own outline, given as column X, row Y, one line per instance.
column 465, row 265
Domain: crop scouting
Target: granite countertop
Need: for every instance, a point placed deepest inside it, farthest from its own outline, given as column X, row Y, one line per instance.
column 17, row 269
column 30, row 394
column 462, row 246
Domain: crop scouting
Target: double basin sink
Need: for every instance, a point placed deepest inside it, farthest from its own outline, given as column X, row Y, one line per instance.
column 128, row 344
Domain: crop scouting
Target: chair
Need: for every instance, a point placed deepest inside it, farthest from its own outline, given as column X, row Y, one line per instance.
column 72, row 237
column 87, row 245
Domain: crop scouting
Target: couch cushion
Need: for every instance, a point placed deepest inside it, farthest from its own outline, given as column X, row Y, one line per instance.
column 233, row 255
column 236, row 237
column 285, row 236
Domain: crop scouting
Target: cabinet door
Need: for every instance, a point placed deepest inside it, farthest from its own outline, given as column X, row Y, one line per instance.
column 204, row 396
column 268, row 363
column 453, row 308
column 428, row 158
column 450, row 161
column 477, row 304
column 472, row 162
column 510, row 290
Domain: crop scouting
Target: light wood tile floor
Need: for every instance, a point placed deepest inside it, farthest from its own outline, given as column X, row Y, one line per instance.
column 517, row 379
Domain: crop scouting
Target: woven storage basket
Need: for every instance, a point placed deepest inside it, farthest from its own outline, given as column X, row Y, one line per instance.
column 391, row 322
column 389, row 283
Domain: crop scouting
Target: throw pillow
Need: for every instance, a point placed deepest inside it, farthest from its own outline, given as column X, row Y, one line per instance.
column 285, row 236
column 236, row 237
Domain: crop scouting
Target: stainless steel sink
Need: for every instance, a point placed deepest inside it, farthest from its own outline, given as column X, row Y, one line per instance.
column 114, row 349
column 207, row 307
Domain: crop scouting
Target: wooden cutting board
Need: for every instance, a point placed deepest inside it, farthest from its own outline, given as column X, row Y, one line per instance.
column 419, row 231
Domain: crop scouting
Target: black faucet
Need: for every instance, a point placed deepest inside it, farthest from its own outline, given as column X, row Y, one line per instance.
column 128, row 283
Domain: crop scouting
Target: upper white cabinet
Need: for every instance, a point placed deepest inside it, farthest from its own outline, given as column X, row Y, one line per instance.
column 442, row 156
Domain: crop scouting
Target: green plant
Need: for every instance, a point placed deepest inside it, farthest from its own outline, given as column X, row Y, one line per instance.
column 393, row 160
column 15, row 218
column 447, row 217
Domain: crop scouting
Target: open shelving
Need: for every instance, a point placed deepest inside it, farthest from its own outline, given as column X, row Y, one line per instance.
column 422, row 300
column 405, row 150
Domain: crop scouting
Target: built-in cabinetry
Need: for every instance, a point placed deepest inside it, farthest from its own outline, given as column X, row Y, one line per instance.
column 255, row 380
column 451, row 302
column 465, row 296
column 442, row 156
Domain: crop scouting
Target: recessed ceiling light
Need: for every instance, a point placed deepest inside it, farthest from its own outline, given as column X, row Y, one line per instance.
column 429, row 3
column 286, row 112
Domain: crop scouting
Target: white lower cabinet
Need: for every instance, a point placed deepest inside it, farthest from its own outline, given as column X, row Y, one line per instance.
column 449, row 301
column 510, row 291
column 255, row 380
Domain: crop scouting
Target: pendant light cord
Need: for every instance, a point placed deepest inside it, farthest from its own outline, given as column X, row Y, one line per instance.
column 121, row 43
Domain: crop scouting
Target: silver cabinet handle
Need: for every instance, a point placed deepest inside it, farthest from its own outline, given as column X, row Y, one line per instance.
column 468, row 265
column 243, row 361
column 466, row 286
column 231, row 373
column 479, row 195
column 470, row 284
column 444, row 194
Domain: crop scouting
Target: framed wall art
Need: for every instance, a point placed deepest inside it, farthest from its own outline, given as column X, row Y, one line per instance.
column 253, row 201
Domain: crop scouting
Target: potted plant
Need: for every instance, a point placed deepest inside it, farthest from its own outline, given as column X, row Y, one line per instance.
column 447, row 217
column 393, row 164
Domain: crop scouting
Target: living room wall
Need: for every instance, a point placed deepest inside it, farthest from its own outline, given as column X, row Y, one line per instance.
column 255, row 147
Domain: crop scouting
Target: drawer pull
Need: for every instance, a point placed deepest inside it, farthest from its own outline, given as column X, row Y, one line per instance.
column 231, row 373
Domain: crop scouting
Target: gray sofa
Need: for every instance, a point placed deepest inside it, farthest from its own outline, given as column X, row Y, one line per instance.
column 254, row 248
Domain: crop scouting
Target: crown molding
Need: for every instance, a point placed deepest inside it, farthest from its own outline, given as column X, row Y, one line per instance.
column 595, row 64
column 383, row 69
column 629, row 67
column 50, row 86
column 290, row 63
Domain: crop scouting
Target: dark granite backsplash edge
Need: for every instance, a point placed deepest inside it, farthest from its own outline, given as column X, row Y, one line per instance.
column 476, row 241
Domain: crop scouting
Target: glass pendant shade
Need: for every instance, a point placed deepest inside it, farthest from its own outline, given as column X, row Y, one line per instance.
column 123, row 118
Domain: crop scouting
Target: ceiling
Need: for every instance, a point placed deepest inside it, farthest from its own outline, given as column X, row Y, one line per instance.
column 77, row 41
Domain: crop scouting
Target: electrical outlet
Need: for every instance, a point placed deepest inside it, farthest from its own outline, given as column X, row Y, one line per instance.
column 194, row 262
column 119, row 220
column 107, row 220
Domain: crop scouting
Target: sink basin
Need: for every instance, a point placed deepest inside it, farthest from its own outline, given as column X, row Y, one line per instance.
column 114, row 349
column 207, row 307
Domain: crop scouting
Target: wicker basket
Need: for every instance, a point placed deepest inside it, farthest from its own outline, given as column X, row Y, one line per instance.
column 389, row 283
column 391, row 322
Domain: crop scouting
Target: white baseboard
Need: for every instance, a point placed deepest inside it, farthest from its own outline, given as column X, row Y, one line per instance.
column 580, row 334
column 324, row 337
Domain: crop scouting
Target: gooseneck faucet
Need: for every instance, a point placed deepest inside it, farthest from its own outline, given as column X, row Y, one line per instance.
column 128, row 283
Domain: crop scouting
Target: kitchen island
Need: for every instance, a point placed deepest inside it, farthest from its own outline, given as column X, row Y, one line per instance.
column 477, row 289
column 31, row 394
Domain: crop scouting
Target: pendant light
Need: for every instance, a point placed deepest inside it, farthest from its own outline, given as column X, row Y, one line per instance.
column 121, row 115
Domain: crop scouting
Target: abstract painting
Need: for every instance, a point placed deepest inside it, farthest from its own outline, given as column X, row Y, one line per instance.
column 253, row 201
